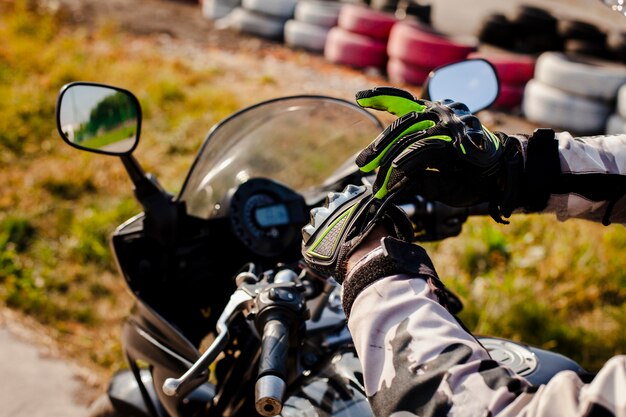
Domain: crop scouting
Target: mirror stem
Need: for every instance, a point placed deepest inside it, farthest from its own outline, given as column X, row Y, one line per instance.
column 147, row 189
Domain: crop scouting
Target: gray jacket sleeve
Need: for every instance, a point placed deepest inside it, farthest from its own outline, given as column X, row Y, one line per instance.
column 602, row 161
column 419, row 361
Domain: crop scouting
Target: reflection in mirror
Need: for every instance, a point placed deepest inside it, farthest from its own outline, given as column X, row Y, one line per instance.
column 99, row 118
column 473, row 82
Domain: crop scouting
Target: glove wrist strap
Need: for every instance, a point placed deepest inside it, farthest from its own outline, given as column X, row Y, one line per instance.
column 393, row 257
column 542, row 169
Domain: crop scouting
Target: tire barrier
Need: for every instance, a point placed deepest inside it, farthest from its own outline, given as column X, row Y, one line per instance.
column 360, row 38
column 318, row 12
column 529, row 30
column 354, row 50
column 581, row 75
column 399, row 71
column 616, row 42
column 305, row 35
column 584, row 38
column 615, row 125
column 415, row 49
column 254, row 23
column 312, row 21
column 553, row 107
column 617, row 121
column 365, row 21
column 216, row 9
column 418, row 45
column 281, row 9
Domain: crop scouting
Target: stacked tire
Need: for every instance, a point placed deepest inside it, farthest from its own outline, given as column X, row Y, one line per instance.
column 360, row 38
column 584, row 38
column 573, row 92
column 616, row 123
column 216, row 9
column 514, row 71
column 530, row 30
column 262, row 18
column 312, row 21
column 415, row 49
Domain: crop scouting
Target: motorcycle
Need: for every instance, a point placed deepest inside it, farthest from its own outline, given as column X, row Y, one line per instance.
column 227, row 319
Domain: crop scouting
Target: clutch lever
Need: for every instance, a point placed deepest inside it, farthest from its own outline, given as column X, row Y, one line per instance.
column 239, row 301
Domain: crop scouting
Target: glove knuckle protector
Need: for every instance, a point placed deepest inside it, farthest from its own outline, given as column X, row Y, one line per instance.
column 342, row 223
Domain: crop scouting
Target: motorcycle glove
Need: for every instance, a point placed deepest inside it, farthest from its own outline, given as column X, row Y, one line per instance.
column 345, row 219
column 441, row 151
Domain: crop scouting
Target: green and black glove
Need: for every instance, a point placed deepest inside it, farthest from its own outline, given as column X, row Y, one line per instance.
column 439, row 150
column 344, row 221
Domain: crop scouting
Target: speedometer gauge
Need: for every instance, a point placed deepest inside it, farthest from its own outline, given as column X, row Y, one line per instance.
column 267, row 216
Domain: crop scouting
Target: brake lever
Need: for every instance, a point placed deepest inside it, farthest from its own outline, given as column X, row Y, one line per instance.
column 239, row 301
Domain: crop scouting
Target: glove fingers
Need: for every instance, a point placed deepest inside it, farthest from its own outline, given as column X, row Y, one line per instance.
column 390, row 99
column 427, row 153
column 371, row 157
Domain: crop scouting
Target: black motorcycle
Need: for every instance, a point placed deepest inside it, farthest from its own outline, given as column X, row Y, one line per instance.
column 227, row 320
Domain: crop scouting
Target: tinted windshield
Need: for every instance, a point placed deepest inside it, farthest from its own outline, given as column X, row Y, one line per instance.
column 298, row 141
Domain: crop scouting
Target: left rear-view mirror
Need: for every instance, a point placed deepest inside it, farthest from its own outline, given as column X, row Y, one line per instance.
column 99, row 118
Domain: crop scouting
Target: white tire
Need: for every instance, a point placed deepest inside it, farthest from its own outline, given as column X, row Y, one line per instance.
column 558, row 109
column 216, row 9
column 582, row 75
column 305, row 35
column 279, row 8
column 253, row 23
column 318, row 12
column 615, row 125
column 621, row 101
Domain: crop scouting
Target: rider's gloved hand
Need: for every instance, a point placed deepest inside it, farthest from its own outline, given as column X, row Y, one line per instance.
column 358, row 239
column 346, row 220
column 439, row 150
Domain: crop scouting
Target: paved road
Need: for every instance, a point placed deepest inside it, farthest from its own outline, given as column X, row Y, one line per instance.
column 33, row 385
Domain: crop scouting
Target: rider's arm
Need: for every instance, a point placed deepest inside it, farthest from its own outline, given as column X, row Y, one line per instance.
column 591, row 180
column 419, row 360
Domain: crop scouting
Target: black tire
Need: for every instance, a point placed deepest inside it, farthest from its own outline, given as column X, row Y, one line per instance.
column 589, row 48
column 102, row 407
column 535, row 20
column 617, row 45
column 422, row 12
column 498, row 30
column 577, row 29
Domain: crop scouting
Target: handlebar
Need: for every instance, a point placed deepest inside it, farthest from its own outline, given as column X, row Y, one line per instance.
column 270, row 386
column 437, row 221
column 281, row 311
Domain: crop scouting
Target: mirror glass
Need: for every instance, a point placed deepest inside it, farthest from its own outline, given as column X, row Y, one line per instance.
column 473, row 82
column 99, row 118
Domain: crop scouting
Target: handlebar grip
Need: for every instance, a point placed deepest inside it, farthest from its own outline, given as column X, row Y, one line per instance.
column 270, row 386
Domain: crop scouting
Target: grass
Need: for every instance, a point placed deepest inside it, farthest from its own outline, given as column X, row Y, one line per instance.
column 556, row 285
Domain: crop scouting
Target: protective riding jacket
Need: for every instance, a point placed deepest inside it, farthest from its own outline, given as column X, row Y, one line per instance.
column 419, row 360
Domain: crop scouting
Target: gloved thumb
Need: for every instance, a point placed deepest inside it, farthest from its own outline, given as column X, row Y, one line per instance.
column 390, row 99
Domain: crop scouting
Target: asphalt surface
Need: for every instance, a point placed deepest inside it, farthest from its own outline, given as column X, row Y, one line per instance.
column 34, row 384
